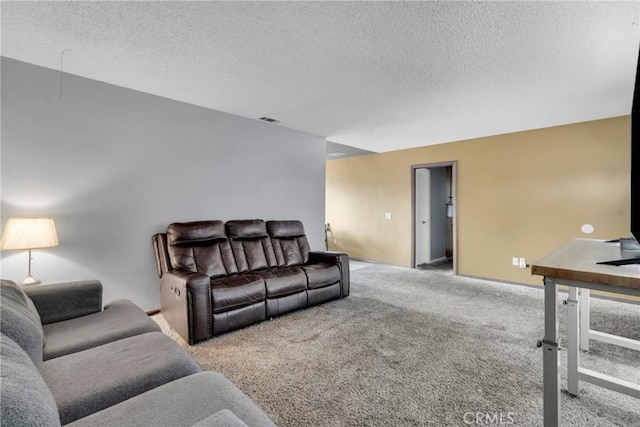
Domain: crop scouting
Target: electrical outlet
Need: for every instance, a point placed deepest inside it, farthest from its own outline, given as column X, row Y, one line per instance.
column 522, row 263
column 335, row 241
column 514, row 261
column 387, row 215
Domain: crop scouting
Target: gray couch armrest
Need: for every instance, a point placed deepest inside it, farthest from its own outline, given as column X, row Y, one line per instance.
column 339, row 258
column 186, row 304
column 64, row 301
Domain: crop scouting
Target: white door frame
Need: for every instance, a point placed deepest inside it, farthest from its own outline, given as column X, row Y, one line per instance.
column 454, row 199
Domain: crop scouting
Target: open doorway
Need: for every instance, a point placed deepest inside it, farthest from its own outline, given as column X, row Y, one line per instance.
column 434, row 216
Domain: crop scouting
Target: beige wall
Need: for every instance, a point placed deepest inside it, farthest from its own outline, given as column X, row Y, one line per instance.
column 521, row 194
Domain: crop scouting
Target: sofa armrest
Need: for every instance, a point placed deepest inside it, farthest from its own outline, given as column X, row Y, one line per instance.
column 186, row 304
column 64, row 301
column 339, row 258
column 159, row 242
column 328, row 256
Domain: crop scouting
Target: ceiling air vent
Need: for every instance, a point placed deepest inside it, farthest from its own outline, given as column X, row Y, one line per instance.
column 269, row 119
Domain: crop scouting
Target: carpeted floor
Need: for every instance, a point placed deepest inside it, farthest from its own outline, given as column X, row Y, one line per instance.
column 415, row 348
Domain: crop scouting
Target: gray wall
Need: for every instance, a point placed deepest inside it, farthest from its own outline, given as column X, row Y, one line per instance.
column 113, row 166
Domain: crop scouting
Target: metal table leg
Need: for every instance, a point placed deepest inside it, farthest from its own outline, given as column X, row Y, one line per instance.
column 573, row 350
column 550, row 359
column 584, row 319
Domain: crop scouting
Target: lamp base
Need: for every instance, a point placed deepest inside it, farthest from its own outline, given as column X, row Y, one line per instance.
column 30, row 281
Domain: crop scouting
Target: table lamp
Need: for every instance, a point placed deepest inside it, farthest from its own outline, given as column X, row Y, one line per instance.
column 29, row 233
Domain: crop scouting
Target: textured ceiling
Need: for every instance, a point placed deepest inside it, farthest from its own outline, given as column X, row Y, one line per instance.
column 374, row 75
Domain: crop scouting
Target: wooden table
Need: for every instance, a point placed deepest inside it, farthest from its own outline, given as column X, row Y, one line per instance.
column 575, row 265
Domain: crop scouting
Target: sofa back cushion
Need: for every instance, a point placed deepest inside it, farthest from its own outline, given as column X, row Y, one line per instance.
column 251, row 245
column 25, row 399
column 20, row 321
column 290, row 244
column 200, row 246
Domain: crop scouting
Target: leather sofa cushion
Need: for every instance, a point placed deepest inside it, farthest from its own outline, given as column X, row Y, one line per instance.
column 252, row 255
column 202, row 247
column 290, row 252
column 321, row 275
column 246, row 229
column 236, row 291
column 285, row 228
column 251, row 245
column 282, row 282
column 190, row 233
column 290, row 244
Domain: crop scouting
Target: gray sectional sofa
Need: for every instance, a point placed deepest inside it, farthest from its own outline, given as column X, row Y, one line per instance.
column 66, row 360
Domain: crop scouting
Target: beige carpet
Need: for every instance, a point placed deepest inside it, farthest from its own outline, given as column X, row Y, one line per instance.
column 416, row 348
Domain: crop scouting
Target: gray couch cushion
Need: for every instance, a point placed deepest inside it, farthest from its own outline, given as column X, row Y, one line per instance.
column 91, row 380
column 25, row 399
column 19, row 320
column 120, row 319
column 224, row 418
column 183, row 402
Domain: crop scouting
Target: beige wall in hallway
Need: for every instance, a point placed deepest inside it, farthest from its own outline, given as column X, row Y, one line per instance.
column 521, row 194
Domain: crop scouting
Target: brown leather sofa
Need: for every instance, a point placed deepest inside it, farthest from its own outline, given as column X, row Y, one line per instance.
column 216, row 277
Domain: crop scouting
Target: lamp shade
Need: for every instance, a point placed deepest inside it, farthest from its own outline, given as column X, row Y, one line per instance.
column 29, row 233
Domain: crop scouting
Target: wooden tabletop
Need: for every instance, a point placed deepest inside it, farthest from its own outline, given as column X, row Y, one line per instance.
column 578, row 261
